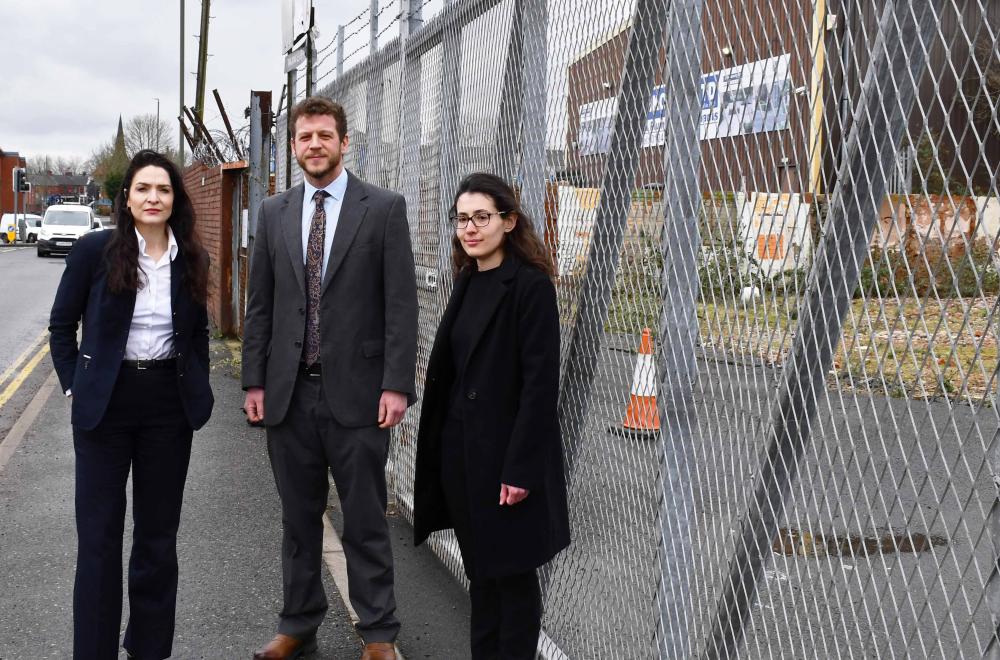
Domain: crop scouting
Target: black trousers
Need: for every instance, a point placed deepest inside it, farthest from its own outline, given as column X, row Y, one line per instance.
column 143, row 430
column 507, row 610
column 307, row 446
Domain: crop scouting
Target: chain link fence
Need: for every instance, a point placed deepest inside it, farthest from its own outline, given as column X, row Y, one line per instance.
column 798, row 201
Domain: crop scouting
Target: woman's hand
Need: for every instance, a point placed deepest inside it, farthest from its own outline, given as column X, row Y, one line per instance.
column 511, row 494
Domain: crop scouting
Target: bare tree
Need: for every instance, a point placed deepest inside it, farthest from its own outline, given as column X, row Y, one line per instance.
column 45, row 163
column 143, row 132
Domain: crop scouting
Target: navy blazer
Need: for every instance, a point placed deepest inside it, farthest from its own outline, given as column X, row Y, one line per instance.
column 91, row 369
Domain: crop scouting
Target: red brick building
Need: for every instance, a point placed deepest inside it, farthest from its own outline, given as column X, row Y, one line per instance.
column 8, row 161
column 71, row 188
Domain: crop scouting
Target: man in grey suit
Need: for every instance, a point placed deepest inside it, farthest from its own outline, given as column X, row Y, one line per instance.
column 329, row 354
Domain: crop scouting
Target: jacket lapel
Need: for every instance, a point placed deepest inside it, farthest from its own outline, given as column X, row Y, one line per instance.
column 291, row 222
column 177, row 271
column 352, row 213
column 492, row 298
column 441, row 351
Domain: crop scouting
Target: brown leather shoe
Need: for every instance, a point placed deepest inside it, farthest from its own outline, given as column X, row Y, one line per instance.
column 379, row 651
column 284, row 647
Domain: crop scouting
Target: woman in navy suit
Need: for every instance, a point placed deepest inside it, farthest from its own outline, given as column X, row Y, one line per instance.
column 489, row 455
column 139, row 386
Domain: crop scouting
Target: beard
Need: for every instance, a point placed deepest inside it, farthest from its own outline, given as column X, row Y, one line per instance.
column 320, row 169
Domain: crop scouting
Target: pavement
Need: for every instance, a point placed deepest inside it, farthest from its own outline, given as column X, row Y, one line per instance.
column 229, row 545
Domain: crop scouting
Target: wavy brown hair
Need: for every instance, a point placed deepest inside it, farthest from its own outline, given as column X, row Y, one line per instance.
column 523, row 240
column 122, row 251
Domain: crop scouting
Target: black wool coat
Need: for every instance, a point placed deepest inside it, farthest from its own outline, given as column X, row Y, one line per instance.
column 510, row 386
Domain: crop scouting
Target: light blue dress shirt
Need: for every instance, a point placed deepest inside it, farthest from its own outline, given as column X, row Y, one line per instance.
column 332, row 204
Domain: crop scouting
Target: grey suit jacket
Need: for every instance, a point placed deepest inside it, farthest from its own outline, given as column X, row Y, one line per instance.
column 368, row 310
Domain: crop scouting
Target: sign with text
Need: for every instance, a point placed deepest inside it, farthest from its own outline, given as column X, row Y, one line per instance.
column 751, row 98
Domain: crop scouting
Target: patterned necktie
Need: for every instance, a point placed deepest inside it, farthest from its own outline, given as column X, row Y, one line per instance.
column 314, row 278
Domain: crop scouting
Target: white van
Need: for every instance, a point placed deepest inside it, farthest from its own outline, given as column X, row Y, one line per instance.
column 32, row 225
column 62, row 226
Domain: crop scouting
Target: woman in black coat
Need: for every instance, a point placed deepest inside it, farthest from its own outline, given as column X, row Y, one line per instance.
column 139, row 386
column 489, row 455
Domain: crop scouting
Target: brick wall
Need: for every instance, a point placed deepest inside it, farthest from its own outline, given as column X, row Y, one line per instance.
column 8, row 161
column 211, row 190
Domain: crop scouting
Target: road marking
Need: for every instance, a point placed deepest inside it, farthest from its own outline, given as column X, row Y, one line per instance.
column 336, row 563
column 27, row 418
column 23, row 375
column 22, row 357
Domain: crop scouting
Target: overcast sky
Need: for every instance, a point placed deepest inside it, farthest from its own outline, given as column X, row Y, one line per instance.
column 71, row 68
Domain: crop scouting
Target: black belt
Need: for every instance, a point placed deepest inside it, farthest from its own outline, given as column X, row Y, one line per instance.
column 315, row 370
column 166, row 363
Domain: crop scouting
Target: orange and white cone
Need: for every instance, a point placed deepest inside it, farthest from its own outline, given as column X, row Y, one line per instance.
column 642, row 415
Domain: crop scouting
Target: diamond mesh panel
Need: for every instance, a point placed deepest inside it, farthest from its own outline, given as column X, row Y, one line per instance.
column 798, row 200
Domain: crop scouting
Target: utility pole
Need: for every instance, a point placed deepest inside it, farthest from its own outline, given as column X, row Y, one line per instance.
column 199, row 102
column 310, row 55
column 180, row 109
column 157, row 123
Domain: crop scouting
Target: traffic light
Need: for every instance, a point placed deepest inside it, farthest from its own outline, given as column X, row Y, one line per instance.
column 20, row 177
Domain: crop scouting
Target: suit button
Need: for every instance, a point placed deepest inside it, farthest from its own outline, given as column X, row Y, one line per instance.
column 302, row 310
column 298, row 344
column 472, row 394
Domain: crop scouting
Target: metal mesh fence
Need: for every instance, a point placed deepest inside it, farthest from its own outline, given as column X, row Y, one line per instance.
column 798, row 201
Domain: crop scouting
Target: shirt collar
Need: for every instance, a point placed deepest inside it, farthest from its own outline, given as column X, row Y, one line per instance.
column 172, row 247
column 335, row 188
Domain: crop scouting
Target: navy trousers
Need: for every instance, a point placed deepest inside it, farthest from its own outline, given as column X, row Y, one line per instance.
column 146, row 432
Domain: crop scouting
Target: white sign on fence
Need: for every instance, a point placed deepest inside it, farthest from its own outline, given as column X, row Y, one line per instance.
column 751, row 98
column 294, row 22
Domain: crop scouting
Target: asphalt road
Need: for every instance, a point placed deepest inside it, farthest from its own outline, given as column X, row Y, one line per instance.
column 27, row 286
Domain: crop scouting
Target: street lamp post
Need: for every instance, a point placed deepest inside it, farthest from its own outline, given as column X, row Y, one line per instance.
column 157, row 124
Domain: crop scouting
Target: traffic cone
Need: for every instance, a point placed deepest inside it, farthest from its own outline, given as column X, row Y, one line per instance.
column 642, row 416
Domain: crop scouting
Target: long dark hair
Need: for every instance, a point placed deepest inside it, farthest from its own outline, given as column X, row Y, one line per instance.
column 523, row 240
column 122, row 251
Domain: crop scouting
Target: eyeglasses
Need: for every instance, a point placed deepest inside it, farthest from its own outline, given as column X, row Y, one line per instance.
column 479, row 218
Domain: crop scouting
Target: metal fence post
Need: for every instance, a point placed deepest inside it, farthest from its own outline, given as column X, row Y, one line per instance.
column 676, row 364
column 409, row 105
column 289, row 129
column 340, row 52
column 373, row 104
column 451, row 67
column 260, row 151
column 507, row 142
column 899, row 56
column 534, row 65
column 641, row 57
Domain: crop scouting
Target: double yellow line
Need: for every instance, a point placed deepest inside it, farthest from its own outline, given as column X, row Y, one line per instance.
column 16, row 373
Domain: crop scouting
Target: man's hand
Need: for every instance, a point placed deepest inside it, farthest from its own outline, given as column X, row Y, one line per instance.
column 391, row 408
column 254, row 404
column 512, row 494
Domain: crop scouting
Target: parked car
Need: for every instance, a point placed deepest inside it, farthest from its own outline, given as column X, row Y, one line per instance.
column 62, row 226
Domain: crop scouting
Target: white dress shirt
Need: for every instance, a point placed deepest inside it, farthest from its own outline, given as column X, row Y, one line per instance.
column 332, row 204
column 151, row 336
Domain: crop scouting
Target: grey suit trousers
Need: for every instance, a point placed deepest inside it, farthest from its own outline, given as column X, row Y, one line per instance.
column 303, row 447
